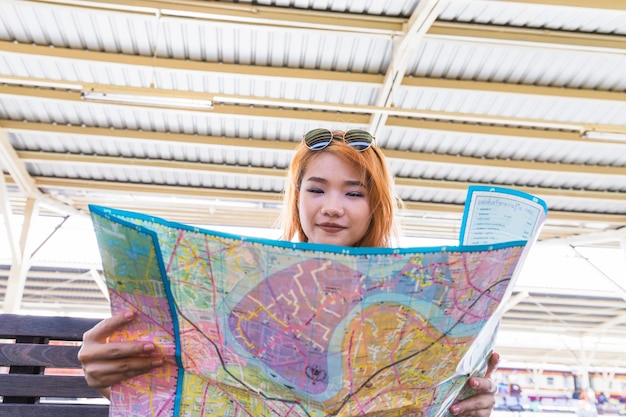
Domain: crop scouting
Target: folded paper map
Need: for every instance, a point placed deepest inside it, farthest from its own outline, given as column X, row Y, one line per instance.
column 257, row 327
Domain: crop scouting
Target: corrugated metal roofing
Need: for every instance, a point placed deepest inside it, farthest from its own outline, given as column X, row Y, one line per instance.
column 548, row 16
column 525, row 94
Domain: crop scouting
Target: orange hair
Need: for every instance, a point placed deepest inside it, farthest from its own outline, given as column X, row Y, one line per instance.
column 379, row 183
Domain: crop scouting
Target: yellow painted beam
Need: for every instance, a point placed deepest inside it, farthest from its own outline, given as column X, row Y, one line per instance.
column 508, row 88
column 105, row 186
column 523, row 36
column 484, row 128
column 143, row 135
column 542, row 192
column 290, row 17
column 529, row 36
column 146, row 164
column 187, row 65
column 248, row 14
column 166, row 190
column 106, row 190
column 220, row 110
column 158, row 164
column 594, row 4
column 330, row 112
column 471, row 123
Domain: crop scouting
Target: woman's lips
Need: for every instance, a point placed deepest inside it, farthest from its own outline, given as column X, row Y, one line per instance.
column 330, row 228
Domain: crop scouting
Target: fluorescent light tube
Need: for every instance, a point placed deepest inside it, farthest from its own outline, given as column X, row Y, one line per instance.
column 147, row 100
column 592, row 134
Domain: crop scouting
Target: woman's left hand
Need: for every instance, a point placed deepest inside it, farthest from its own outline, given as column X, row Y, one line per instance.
column 481, row 404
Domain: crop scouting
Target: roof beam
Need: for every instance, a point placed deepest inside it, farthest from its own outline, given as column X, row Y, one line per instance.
column 317, row 20
column 479, row 124
column 157, row 189
column 26, row 156
column 417, row 82
column 545, row 355
column 322, row 111
column 220, row 110
column 186, row 65
column 86, row 186
column 143, row 135
column 18, row 171
column 15, row 166
column 515, row 300
column 159, row 164
column 552, row 327
column 588, row 239
column 436, row 120
column 431, row 120
column 147, row 164
column 535, row 38
column 596, row 4
column 507, row 164
column 609, row 324
column 248, row 14
column 421, row 19
column 509, row 88
column 287, row 73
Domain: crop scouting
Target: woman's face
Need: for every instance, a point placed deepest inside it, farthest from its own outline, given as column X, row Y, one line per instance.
column 333, row 203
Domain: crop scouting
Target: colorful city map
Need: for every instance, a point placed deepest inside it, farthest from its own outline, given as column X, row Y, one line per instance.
column 255, row 327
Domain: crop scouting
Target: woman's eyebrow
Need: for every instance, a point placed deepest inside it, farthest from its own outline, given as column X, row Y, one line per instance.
column 355, row 182
column 325, row 181
column 316, row 179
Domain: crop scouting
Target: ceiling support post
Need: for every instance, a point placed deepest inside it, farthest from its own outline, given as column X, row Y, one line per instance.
column 19, row 270
column 420, row 22
column 7, row 218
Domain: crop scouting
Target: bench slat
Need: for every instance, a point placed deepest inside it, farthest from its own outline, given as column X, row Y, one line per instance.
column 56, row 328
column 22, row 385
column 25, row 354
column 22, row 388
column 53, row 410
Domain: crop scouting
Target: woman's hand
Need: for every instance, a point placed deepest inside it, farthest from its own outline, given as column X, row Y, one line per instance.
column 481, row 404
column 106, row 364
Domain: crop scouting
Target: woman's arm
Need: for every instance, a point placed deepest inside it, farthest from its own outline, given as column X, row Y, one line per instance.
column 106, row 364
column 480, row 404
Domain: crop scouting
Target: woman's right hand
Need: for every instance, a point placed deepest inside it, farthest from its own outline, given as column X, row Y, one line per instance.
column 108, row 363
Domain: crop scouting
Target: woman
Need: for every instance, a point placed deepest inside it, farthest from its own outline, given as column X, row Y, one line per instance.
column 339, row 192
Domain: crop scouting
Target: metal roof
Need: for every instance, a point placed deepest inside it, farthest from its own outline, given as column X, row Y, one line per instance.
column 191, row 110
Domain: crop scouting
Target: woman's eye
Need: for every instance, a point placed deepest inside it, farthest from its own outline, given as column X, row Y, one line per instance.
column 355, row 194
column 314, row 190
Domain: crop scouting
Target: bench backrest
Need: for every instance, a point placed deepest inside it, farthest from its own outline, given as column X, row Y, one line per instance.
column 28, row 389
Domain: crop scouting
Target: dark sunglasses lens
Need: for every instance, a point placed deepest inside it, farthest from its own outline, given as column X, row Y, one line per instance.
column 318, row 139
column 358, row 139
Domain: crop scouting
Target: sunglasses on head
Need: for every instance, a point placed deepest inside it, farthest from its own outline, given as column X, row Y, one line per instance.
column 318, row 139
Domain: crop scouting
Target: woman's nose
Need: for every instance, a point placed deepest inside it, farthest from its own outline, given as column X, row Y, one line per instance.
column 332, row 206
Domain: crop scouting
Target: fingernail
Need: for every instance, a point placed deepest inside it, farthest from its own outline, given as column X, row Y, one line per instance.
column 148, row 347
column 455, row 409
column 474, row 383
column 129, row 315
column 157, row 362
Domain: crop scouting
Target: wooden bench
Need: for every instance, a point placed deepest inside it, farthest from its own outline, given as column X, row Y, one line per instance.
column 27, row 390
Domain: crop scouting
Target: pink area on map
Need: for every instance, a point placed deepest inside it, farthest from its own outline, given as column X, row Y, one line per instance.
column 153, row 392
column 287, row 320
